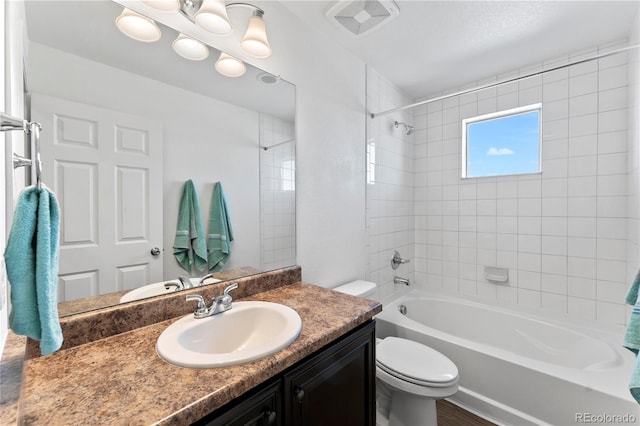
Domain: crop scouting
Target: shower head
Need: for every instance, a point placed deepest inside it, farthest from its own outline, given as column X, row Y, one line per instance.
column 408, row 128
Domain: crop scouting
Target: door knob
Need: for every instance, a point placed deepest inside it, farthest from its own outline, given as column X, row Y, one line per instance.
column 155, row 251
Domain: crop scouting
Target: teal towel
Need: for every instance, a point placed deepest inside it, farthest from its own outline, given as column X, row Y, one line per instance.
column 189, row 246
column 632, row 335
column 220, row 231
column 31, row 257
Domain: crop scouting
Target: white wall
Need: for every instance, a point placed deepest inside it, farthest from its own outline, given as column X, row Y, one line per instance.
column 4, row 291
column 12, row 181
column 330, row 148
column 204, row 140
column 561, row 233
column 390, row 187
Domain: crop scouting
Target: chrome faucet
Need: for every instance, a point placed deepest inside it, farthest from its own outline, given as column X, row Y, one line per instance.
column 400, row 280
column 185, row 281
column 218, row 305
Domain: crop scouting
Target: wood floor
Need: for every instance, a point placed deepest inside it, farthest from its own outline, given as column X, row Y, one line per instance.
column 451, row 415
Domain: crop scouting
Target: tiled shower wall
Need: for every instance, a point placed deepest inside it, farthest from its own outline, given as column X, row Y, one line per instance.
column 562, row 233
column 390, row 174
column 277, row 193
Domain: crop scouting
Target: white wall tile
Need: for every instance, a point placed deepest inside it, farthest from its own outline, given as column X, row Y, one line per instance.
column 564, row 234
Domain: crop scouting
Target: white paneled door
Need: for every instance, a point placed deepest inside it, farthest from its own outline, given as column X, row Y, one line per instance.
column 105, row 168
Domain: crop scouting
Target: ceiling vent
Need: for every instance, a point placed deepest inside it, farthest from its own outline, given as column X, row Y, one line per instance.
column 361, row 16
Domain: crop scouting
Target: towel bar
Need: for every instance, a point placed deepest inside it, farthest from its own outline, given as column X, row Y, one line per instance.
column 9, row 123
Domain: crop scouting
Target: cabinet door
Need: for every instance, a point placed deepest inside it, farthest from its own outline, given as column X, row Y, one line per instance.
column 336, row 386
column 261, row 409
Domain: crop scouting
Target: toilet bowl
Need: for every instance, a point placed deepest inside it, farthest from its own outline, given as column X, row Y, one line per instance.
column 410, row 376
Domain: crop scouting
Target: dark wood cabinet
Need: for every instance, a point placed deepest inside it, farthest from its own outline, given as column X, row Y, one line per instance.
column 262, row 407
column 334, row 386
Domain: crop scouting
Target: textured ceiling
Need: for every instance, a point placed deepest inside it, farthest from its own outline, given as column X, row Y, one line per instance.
column 437, row 45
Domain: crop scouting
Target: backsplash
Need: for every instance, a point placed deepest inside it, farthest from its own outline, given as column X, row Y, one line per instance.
column 105, row 322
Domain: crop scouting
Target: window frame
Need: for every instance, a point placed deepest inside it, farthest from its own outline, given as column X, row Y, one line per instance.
column 493, row 116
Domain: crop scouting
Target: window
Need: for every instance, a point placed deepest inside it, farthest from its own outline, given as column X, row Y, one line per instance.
column 371, row 163
column 288, row 175
column 502, row 143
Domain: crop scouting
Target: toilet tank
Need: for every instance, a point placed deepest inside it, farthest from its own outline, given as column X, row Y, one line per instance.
column 358, row 288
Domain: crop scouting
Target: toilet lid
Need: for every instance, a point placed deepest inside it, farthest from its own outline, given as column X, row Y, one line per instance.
column 415, row 361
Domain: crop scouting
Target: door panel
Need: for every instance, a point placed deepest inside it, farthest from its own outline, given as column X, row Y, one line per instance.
column 106, row 170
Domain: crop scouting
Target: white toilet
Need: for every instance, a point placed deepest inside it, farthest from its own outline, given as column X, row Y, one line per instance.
column 409, row 374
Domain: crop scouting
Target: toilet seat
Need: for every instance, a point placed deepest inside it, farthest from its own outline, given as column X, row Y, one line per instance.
column 415, row 363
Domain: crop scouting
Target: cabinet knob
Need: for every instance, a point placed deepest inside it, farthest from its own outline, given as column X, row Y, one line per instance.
column 299, row 394
column 270, row 417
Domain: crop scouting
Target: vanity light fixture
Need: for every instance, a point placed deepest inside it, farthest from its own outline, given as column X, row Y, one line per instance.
column 190, row 48
column 163, row 5
column 211, row 15
column 138, row 27
column 229, row 66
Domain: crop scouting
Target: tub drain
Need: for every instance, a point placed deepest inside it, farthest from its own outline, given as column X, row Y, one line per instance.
column 402, row 309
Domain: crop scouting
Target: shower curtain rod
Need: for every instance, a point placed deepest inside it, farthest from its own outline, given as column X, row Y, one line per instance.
column 277, row 144
column 498, row 83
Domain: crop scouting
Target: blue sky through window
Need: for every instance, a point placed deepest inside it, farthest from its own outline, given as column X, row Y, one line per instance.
column 504, row 145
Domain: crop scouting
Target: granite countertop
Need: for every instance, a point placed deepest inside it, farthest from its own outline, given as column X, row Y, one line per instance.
column 121, row 380
column 10, row 372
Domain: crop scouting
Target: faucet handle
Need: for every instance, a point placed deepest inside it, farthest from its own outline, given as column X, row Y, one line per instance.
column 226, row 298
column 202, row 306
column 231, row 287
column 396, row 260
column 203, row 279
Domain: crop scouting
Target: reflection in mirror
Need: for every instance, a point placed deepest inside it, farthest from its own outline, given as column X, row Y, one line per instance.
column 126, row 124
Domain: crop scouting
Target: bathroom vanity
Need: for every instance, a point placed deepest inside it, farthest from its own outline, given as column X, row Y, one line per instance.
column 326, row 376
column 334, row 386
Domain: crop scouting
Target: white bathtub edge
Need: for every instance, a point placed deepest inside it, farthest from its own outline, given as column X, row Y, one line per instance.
column 492, row 410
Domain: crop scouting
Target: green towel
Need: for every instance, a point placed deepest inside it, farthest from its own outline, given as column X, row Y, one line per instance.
column 632, row 335
column 189, row 246
column 31, row 258
column 220, row 232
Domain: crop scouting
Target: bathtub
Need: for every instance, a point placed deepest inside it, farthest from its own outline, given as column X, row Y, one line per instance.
column 517, row 368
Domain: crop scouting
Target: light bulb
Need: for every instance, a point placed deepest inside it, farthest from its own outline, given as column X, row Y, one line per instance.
column 213, row 17
column 229, row 66
column 190, row 48
column 255, row 41
column 138, row 27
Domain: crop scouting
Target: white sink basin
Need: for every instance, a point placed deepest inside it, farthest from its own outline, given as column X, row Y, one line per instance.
column 247, row 332
column 157, row 289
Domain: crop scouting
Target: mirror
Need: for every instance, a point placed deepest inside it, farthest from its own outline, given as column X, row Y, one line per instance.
column 85, row 77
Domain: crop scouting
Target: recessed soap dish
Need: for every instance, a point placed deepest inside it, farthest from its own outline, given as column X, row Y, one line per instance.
column 496, row 274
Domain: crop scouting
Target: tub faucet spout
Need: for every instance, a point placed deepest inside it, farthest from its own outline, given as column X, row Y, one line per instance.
column 400, row 280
